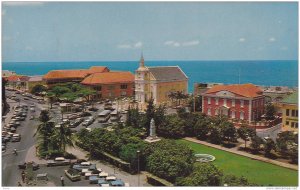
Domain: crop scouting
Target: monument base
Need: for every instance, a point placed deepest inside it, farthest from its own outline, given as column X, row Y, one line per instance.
column 152, row 139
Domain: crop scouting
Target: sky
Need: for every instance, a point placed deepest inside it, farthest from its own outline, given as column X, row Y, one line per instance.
column 114, row 31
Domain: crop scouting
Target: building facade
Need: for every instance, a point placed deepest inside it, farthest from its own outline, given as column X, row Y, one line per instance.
column 238, row 102
column 110, row 85
column 289, row 108
column 35, row 80
column 157, row 83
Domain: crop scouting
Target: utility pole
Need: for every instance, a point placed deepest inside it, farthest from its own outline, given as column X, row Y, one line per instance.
column 138, row 158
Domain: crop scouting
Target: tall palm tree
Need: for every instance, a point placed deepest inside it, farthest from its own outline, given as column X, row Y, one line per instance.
column 44, row 130
column 63, row 137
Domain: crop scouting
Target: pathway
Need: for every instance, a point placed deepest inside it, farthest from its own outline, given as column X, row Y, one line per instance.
column 241, row 153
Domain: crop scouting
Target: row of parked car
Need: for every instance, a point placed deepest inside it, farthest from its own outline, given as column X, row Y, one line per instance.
column 89, row 171
column 10, row 128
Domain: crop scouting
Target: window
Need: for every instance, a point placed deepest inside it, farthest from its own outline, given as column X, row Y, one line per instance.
column 294, row 113
column 242, row 103
column 233, row 102
column 225, row 102
column 232, row 114
column 292, row 124
column 110, row 94
column 287, row 123
column 124, row 86
column 123, row 93
column 208, row 111
column 208, row 100
column 216, row 112
column 287, row 112
column 241, row 115
column 97, row 88
column 217, row 101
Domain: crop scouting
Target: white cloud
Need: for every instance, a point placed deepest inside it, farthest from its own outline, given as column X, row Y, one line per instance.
column 168, row 43
column 124, row 46
column 242, row 40
column 272, row 39
column 178, row 44
column 28, row 48
column 191, row 43
column 23, row 3
column 136, row 45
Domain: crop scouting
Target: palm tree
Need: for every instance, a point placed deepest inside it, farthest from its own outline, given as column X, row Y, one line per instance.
column 63, row 137
column 44, row 131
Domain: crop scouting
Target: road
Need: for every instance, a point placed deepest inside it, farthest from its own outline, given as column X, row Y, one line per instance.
column 11, row 174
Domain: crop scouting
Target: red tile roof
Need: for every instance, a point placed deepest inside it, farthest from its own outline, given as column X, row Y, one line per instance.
column 15, row 78
column 68, row 74
column 246, row 90
column 109, row 78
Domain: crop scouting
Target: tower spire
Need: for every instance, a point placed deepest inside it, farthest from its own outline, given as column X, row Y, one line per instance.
column 142, row 62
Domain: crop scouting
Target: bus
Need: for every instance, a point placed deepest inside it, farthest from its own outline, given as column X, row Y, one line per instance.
column 104, row 116
column 115, row 116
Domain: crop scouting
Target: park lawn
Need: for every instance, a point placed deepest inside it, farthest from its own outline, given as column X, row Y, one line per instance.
column 255, row 171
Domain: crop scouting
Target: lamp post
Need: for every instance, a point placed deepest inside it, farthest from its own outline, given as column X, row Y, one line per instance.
column 138, row 160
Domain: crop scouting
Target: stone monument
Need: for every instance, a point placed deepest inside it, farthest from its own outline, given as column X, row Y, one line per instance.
column 152, row 136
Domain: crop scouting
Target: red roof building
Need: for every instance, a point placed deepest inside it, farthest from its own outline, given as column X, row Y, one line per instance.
column 59, row 76
column 241, row 102
column 111, row 84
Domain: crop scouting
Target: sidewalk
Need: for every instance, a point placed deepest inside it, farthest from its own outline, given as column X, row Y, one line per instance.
column 31, row 156
column 133, row 180
column 241, row 153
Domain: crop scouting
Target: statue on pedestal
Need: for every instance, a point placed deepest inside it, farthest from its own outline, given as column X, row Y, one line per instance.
column 152, row 135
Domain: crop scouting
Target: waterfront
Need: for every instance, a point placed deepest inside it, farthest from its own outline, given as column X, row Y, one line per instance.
column 269, row 73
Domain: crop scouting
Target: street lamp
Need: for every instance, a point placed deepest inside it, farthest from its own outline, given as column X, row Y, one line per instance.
column 138, row 160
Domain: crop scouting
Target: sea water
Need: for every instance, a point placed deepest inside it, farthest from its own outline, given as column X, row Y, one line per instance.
column 268, row 73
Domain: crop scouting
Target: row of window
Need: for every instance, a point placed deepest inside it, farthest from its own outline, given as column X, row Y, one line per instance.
column 293, row 124
column 293, row 113
column 225, row 101
column 111, row 87
column 232, row 113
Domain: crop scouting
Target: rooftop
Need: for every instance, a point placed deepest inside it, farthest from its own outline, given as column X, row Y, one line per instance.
column 291, row 99
column 109, row 78
column 80, row 74
column 168, row 74
column 246, row 90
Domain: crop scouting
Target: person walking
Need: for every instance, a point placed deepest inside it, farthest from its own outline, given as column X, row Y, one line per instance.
column 23, row 176
column 19, row 184
column 62, row 181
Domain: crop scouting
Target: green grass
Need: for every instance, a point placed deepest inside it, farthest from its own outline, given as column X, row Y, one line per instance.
column 255, row 171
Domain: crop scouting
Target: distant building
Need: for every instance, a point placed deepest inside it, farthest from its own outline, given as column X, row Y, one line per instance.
column 18, row 82
column 200, row 88
column 7, row 73
column 158, row 83
column 63, row 76
column 240, row 101
column 111, row 84
column 289, row 107
column 276, row 94
column 35, row 80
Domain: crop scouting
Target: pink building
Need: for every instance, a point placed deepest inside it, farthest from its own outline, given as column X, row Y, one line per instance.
column 241, row 102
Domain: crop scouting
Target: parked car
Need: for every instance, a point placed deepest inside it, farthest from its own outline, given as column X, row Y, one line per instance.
column 73, row 174
column 88, row 121
column 59, row 161
column 24, row 165
column 16, row 138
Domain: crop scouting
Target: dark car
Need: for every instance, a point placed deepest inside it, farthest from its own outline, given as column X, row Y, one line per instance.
column 24, row 165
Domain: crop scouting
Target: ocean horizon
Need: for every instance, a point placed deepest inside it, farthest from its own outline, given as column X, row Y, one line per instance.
column 258, row 72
